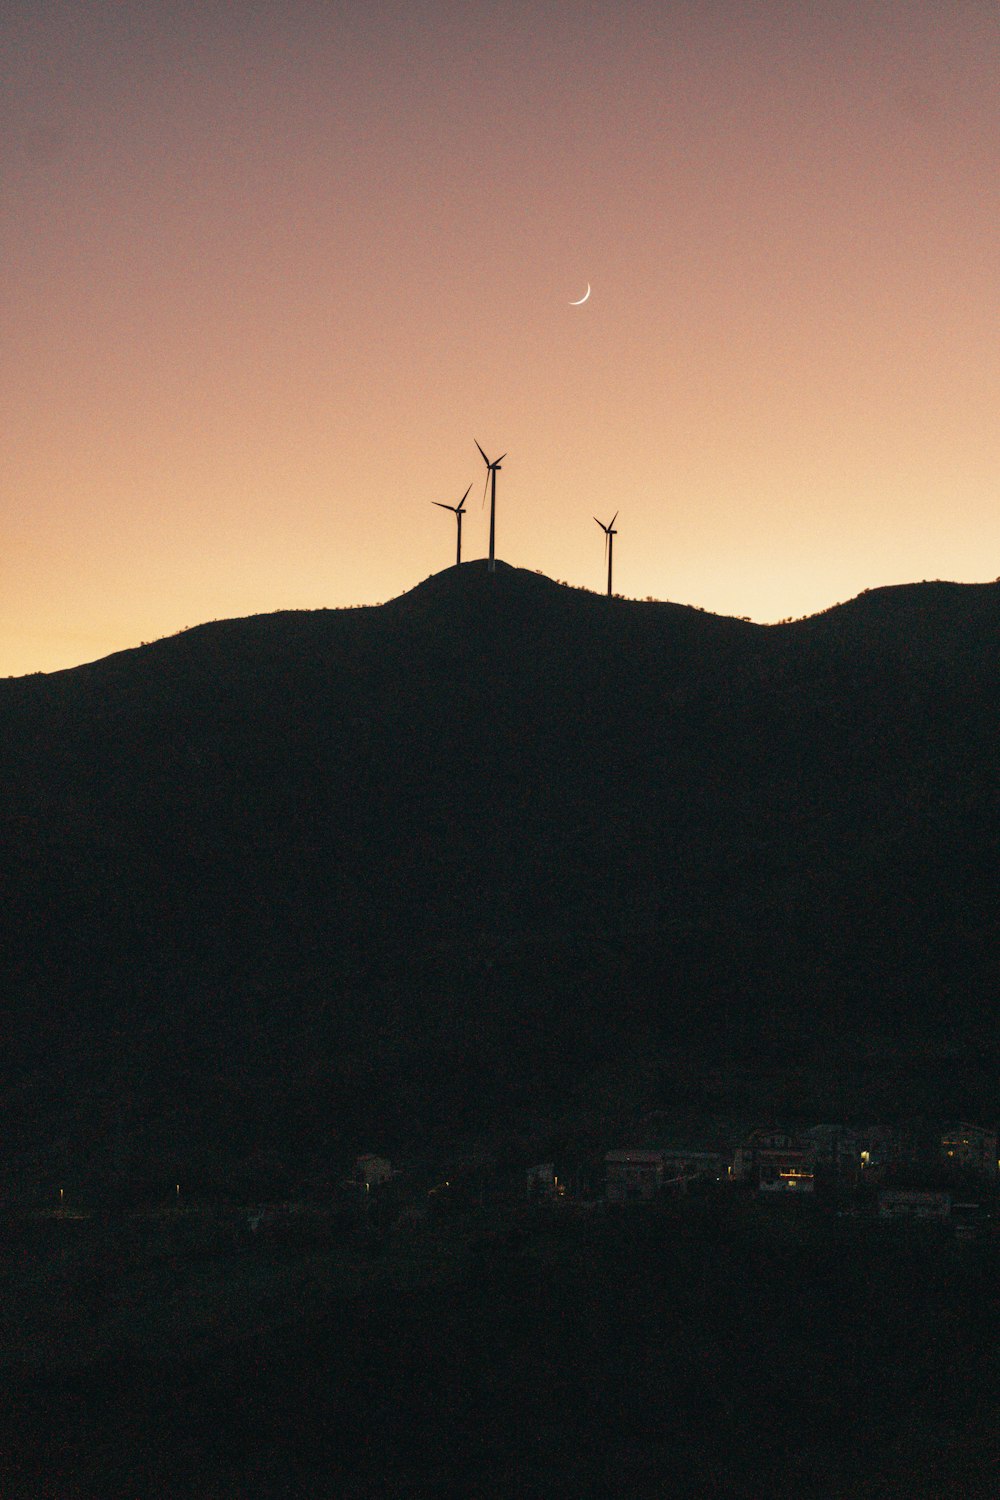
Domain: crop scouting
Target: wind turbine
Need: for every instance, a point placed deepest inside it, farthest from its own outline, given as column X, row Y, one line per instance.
column 609, row 543
column 458, row 511
column 491, row 474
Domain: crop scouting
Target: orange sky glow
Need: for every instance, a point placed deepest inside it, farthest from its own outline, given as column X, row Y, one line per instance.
column 269, row 270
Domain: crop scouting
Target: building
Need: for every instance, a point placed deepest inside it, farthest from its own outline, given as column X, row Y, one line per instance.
column 926, row 1204
column 885, row 1149
column 773, row 1161
column 836, row 1152
column 683, row 1164
column 787, row 1171
column 372, row 1171
column 633, row 1176
column 969, row 1148
column 542, row 1181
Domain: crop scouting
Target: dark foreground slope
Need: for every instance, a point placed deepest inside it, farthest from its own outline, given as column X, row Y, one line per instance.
column 487, row 849
column 702, row 1350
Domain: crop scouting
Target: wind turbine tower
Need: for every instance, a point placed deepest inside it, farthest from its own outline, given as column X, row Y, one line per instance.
column 491, row 484
column 609, row 543
column 458, row 511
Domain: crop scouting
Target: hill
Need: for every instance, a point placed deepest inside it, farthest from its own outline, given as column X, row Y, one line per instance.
column 494, row 851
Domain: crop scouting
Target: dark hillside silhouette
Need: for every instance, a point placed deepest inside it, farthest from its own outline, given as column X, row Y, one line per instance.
column 469, row 855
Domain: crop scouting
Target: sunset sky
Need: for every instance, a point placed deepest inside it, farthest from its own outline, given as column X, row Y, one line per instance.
column 270, row 268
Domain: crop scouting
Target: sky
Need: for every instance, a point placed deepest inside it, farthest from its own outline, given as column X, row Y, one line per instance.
column 269, row 270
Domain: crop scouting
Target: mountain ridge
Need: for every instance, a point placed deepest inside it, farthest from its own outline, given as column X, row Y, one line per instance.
column 902, row 603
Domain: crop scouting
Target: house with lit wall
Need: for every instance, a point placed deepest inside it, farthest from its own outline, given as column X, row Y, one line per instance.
column 775, row 1161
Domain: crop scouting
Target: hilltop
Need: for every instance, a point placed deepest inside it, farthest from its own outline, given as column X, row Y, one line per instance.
column 498, row 849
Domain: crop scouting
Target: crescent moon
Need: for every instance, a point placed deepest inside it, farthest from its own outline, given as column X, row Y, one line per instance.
column 583, row 298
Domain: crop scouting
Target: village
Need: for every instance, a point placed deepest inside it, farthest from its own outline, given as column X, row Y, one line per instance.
column 83, row 1275
column 790, row 1259
column 947, row 1174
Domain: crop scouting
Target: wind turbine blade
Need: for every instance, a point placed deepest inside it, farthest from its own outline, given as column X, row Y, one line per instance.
column 600, row 523
column 441, row 505
column 464, row 497
column 613, row 520
column 487, row 484
column 485, row 459
column 498, row 461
